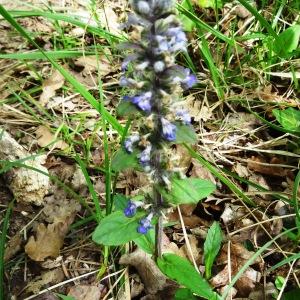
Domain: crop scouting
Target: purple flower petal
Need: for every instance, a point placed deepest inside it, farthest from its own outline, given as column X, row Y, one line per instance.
column 168, row 130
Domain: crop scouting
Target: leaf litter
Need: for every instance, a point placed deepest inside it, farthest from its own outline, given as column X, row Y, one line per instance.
column 229, row 136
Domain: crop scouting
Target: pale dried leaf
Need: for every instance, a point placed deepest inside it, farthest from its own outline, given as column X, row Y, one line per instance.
column 46, row 139
column 95, row 63
column 110, row 20
column 50, row 86
column 50, row 277
column 85, row 292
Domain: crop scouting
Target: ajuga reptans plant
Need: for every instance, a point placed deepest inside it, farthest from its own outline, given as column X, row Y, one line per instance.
column 154, row 84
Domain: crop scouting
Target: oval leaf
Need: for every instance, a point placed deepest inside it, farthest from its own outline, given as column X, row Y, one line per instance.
column 126, row 108
column 287, row 41
column 123, row 160
column 288, row 118
column 147, row 241
column 116, row 229
column 180, row 270
column 188, row 190
column 185, row 134
column 212, row 246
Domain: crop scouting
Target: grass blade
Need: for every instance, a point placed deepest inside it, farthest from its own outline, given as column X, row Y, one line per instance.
column 58, row 54
column 218, row 173
column 259, row 17
column 203, row 25
column 78, row 86
column 2, row 246
column 63, row 17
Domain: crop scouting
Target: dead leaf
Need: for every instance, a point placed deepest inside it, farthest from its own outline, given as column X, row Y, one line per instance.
column 46, row 139
column 155, row 282
column 200, row 171
column 232, row 213
column 50, row 277
column 85, row 292
column 110, row 20
column 94, row 63
column 13, row 246
column 260, row 165
column 239, row 255
column 196, row 251
column 48, row 240
column 50, row 86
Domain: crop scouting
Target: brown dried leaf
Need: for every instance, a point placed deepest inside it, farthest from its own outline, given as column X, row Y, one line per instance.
column 50, row 86
column 50, row 277
column 85, row 292
column 155, row 282
column 239, row 255
column 260, row 165
column 46, row 139
column 94, row 63
column 13, row 246
column 196, row 251
column 48, row 240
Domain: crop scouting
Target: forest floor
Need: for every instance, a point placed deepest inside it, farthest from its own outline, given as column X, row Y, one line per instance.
column 245, row 111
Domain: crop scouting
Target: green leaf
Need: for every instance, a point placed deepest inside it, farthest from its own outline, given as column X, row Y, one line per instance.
column 120, row 202
column 185, row 134
column 288, row 118
column 180, row 270
column 116, row 229
column 63, row 297
column 184, row 294
column 126, row 108
column 212, row 246
column 279, row 282
column 287, row 41
column 188, row 190
column 210, row 3
column 123, row 160
column 147, row 241
column 291, row 295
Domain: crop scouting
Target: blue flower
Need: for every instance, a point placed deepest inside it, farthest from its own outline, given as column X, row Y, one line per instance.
column 184, row 116
column 145, row 156
column 159, row 66
column 143, row 101
column 128, row 144
column 189, row 80
column 145, row 224
column 168, row 130
column 143, row 7
column 130, row 209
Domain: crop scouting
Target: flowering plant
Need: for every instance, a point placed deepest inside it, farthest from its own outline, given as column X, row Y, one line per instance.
column 154, row 85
